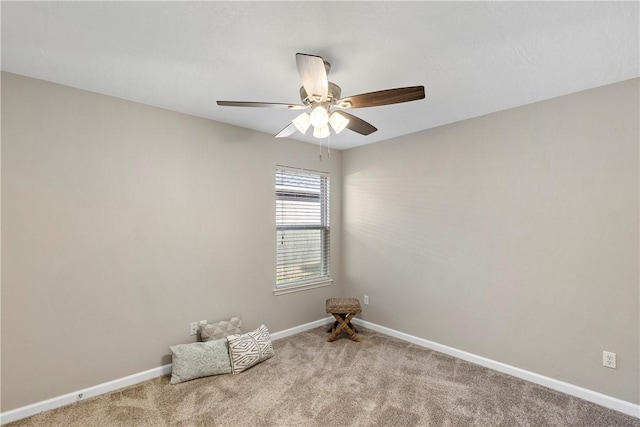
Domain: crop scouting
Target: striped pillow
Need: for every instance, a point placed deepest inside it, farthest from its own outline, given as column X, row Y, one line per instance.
column 249, row 349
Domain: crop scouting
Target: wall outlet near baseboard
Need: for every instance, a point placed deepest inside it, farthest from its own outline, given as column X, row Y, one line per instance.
column 609, row 359
column 366, row 300
column 193, row 328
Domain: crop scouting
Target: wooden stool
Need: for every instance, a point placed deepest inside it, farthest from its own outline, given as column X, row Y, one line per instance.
column 343, row 309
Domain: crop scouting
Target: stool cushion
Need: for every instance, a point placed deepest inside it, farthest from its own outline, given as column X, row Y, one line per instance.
column 343, row 305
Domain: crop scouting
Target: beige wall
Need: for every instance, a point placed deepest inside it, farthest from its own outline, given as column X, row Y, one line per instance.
column 513, row 236
column 123, row 223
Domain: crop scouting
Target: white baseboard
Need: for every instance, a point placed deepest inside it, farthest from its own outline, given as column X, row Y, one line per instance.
column 570, row 389
column 301, row 328
column 68, row 399
column 77, row 396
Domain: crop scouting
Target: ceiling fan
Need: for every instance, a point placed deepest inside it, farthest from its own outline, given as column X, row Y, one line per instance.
column 321, row 95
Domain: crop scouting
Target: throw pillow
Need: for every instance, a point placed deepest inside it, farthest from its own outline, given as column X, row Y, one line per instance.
column 200, row 359
column 217, row 330
column 249, row 349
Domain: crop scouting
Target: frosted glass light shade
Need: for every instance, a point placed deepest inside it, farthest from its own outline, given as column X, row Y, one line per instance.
column 319, row 117
column 321, row 132
column 338, row 122
column 302, row 122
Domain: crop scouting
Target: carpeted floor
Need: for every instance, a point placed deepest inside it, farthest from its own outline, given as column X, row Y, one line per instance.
column 310, row 382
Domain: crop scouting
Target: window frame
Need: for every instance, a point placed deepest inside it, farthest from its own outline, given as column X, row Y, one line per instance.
column 324, row 195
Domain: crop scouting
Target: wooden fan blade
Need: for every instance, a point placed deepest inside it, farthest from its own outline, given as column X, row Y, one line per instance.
column 382, row 97
column 358, row 125
column 261, row 105
column 313, row 75
column 287, row 131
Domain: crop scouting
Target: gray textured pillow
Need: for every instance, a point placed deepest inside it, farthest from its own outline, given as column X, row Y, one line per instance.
column 215, row 331
column 249, row 349
column 200, row 359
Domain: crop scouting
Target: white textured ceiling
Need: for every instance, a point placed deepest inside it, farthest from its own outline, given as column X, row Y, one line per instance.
column 473, row 58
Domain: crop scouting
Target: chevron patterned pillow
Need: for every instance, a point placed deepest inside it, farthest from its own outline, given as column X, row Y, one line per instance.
column 217, row 330
column 249, row 349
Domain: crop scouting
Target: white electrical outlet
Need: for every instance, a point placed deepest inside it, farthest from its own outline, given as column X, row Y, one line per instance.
column 366, row 300
column 194, row 328
column 609, row 359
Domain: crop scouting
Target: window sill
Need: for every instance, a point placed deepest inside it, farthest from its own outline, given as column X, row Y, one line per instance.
column 319, row 283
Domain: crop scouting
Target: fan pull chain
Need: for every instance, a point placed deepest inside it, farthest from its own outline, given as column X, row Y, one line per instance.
column 328, row 148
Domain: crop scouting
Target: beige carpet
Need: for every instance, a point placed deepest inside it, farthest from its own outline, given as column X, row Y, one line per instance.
column 310, row 382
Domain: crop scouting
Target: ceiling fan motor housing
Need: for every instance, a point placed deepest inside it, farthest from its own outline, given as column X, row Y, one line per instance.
column 333, row 94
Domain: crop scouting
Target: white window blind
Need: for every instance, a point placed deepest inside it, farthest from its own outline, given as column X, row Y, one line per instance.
column 302, row 224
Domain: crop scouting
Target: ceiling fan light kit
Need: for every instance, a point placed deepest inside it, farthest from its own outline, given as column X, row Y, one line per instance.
column 321, row 131
column 302, row 122
column 338, row 122
column 319, row 116
column 319, row 94
column 319, row 121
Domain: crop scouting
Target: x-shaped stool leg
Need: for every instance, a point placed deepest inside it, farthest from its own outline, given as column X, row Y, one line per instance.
column 343, row 321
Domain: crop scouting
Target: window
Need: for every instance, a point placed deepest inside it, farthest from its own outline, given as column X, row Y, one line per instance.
column 302, row 229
